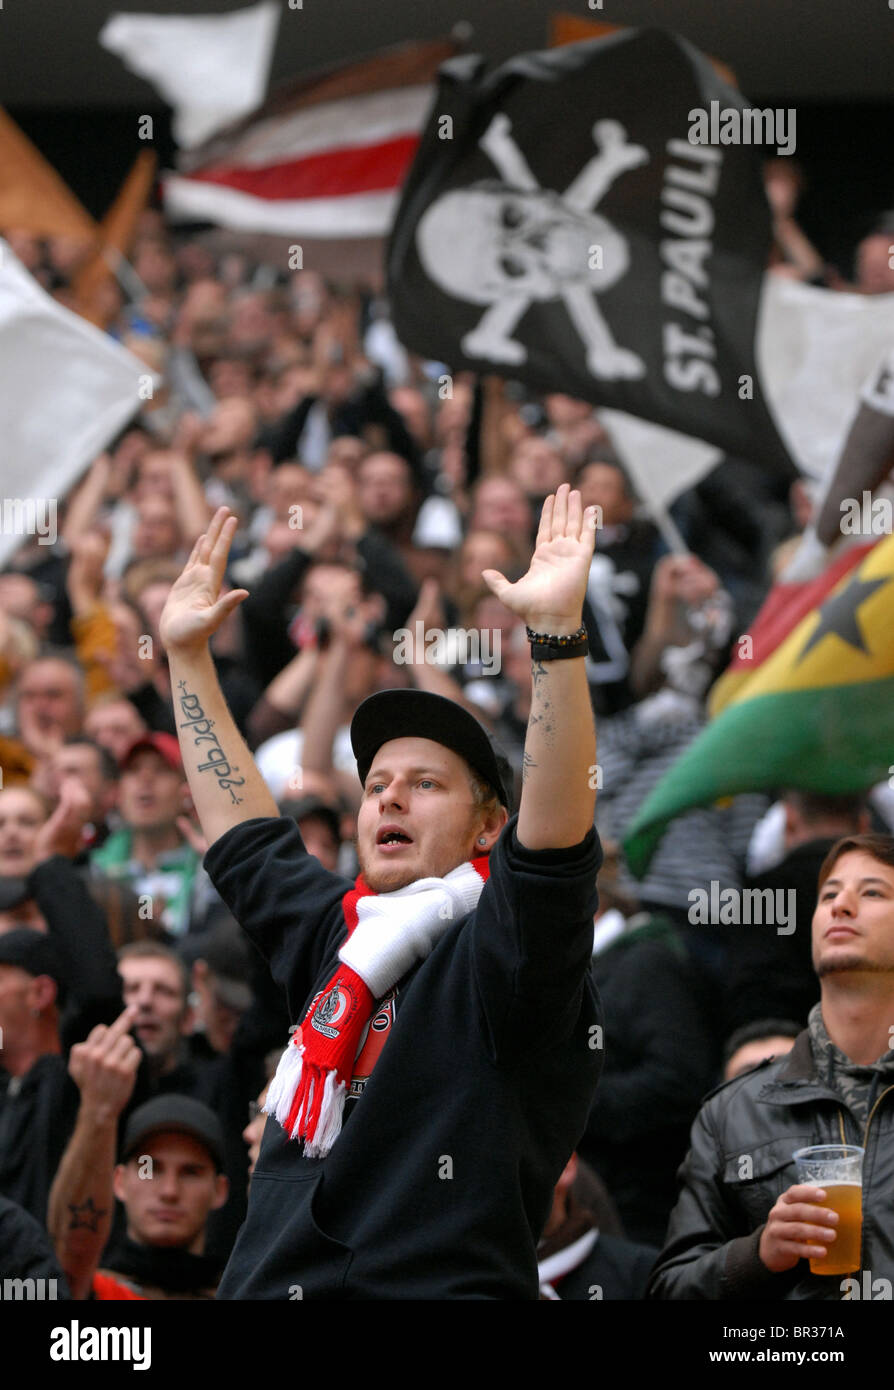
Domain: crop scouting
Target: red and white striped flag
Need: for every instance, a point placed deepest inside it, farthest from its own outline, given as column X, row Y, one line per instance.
column 323, row 157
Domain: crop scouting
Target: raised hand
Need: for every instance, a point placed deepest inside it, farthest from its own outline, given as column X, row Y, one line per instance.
column 428, row 608
column 85, row 576
column 63, row 833
column 41, row 734
column 105, row 1066
column 195, row 608
column 550, row 597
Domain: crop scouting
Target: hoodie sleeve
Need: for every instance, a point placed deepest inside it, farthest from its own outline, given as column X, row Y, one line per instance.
column 285, row 901
column 78, row 927
column 533, row 938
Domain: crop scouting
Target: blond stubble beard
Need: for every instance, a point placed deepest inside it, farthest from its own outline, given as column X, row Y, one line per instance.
column 389, row 880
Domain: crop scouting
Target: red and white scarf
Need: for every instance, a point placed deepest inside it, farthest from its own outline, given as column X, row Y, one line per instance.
column 387, row 934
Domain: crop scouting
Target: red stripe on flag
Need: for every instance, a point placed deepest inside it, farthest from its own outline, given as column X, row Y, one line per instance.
column 787, row 604
column 337, row 173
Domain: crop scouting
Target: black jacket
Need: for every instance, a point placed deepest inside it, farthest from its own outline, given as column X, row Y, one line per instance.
column 37, row 1117
column 659, row 1062
column 740, row 1163
column 38, row 1110
column 367, row 405
column 27, row 1251
column 615, row 1269
column 442, row 1177
column 770, row 972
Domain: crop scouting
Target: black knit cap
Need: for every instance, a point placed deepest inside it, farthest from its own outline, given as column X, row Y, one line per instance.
column 180, row 1114
column 418, row 714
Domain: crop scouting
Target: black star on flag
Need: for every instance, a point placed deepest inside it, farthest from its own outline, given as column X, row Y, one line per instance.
column 838, row 615
column 558, row 226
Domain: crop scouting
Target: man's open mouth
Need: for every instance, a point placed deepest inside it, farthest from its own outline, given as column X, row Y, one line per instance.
column 391, row 837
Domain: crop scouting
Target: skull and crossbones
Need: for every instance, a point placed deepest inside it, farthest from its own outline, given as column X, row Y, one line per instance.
column 509, row 243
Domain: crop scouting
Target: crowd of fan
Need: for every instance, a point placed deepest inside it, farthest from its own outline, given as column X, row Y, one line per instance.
column 372, row 490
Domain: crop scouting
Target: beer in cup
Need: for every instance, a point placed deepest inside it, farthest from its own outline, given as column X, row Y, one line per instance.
column 838, row 1170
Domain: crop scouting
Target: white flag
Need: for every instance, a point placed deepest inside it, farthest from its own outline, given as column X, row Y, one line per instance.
column 211, row 68
column 65, row 390
column 819, row 353
column 662, row 463
column 817, row 350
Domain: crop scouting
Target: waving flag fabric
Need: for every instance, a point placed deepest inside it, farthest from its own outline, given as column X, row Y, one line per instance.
column 558, row 226
column 65, row 390
column 323, row 157
column 817, row 714
column 212, row 68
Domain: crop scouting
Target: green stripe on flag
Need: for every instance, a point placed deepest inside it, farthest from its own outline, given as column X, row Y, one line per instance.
column 834, row 740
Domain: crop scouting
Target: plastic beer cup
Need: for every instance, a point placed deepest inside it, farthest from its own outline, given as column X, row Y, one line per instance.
column 838, row 1170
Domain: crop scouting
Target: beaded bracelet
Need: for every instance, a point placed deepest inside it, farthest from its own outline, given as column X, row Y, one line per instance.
column 547, row 646
column 547, row 639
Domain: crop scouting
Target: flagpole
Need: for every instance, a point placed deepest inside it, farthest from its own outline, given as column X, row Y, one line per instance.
column 667, row 526
column 123, row 272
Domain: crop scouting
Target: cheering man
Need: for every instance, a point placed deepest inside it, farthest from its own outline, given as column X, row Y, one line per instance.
column 448, row 1037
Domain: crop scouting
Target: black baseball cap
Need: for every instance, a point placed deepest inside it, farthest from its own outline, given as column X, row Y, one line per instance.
column 180, row 1114
column 35, row 953
column 418, row 714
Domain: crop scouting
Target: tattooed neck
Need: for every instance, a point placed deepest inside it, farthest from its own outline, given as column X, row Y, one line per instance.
column 202, row 729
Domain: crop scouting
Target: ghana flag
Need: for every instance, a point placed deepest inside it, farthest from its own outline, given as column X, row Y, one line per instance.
column 785, row 606
column 817, row 714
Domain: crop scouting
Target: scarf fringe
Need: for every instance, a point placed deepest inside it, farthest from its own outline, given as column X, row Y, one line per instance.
column 282, row 1089
column 331, row 1113
column 293, row 1080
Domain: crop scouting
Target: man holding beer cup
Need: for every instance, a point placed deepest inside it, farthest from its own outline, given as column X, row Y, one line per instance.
column 775, row 1201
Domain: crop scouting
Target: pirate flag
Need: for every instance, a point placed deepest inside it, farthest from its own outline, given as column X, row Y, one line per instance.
column 559, row 227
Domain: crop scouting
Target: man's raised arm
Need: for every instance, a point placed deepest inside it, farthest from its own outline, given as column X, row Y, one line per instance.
column 226, row 786
column 558, row 798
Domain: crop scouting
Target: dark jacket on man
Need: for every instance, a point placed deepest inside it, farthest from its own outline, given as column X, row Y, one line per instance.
column 741, row 1162
column 38, row 1110
column 27, row 1253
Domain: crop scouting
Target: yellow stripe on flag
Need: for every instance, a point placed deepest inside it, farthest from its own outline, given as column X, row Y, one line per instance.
column 825, row 648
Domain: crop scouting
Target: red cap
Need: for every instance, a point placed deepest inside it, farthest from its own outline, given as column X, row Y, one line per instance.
column 165, row 745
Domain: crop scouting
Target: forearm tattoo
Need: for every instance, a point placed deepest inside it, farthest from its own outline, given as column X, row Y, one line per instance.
column 85, row 1215
column 541, row 706
column 203, row 730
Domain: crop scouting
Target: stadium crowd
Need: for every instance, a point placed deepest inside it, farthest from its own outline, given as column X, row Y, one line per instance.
column 372, row 489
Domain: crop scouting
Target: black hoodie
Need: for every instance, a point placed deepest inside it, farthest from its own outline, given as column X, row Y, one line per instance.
column 442, row 1177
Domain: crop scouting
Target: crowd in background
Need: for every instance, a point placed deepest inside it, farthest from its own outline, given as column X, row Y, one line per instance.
column 372, row 489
